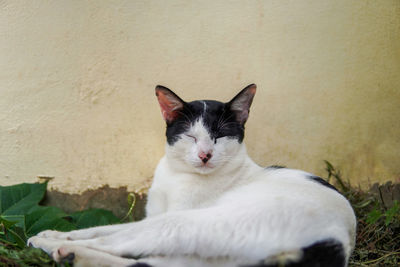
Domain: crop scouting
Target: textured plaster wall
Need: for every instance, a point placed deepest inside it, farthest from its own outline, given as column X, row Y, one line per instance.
column 77, row 84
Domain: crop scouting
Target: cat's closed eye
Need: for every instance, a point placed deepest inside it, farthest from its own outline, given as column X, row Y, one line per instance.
column 191, row 136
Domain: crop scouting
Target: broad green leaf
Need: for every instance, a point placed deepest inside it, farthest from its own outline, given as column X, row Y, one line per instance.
column 42, row 218
column 21, row 216
column 10, row 220
column 19, row 199
column 93, row 217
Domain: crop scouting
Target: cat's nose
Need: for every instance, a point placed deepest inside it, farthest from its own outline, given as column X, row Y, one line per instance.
column 205, row 156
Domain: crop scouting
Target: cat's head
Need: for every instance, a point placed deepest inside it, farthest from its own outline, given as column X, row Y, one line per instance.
column 204, row 135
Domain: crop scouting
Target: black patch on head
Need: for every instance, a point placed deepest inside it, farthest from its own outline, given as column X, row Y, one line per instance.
column 322, row 182
column 217, row 118
column 326, row 253
column 180, row 124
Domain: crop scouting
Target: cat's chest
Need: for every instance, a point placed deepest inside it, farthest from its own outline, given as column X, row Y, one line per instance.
column 177, row 190
column 185, row 191
column 188, row 192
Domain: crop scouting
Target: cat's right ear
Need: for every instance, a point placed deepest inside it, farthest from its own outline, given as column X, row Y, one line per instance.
column 170, row 103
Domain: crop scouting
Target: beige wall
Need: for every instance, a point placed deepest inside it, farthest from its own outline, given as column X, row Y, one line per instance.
column 77, row 81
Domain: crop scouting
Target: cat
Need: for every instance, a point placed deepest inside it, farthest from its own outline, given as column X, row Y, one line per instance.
column 211, row 205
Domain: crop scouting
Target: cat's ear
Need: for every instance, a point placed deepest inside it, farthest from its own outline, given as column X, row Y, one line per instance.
column 170, row 103
column 240, row 104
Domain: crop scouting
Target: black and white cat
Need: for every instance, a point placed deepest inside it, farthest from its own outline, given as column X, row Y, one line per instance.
column 211, row 205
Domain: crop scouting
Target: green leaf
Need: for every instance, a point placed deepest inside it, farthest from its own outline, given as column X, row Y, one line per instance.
column 10, row 220
column 27, row 257
column 43, row 218
column 329, row 167
column 13, row 229
column 93, row 217
column 374, row 216
column 19, row 199
column 392, row 212
column 18, row 236
column 22, row 217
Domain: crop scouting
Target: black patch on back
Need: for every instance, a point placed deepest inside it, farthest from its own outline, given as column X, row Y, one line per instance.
column 275, row 167
column 218, row 118
column 140, row 264
column 326, row 253
column 322, row 182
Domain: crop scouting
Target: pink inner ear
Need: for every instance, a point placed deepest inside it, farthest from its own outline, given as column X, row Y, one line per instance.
column 253, row 89
column 168, row 107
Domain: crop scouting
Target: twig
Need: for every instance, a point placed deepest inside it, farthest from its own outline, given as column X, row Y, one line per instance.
column 132, row 195
column 381, row 258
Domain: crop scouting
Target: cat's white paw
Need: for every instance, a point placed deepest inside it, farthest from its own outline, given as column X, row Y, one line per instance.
column 48, row 234
column 64, row 254
column 87, row 257
column 31, row 242
column 55, row 235
column 39, row 242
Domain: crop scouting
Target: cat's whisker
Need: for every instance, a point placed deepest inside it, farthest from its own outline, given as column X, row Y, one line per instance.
column 187, row 119
column 227, row 124
column 225, row 120
column 221, row 117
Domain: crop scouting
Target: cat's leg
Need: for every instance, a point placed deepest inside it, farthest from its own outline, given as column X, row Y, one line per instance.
column 78, row 255
column 211, row 232
column 88, row 233
column 208, row 233
column 86, row 257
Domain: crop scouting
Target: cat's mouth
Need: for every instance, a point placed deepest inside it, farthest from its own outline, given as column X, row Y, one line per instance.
column 205, row 167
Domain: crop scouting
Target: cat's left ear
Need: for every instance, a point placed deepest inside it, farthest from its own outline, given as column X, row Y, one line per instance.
column 170, row 103
column 240, row 104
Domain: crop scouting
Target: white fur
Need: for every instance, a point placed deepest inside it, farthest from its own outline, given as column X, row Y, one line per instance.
column 227, row 212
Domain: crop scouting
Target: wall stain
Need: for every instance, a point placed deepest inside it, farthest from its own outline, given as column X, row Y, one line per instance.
column 114, row 199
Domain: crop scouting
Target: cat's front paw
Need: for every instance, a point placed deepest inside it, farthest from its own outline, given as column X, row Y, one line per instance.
column 48, row 234
column 31, row 242
column 38, row 242
column 60, row 254
column 55, row 235
column 87, row 257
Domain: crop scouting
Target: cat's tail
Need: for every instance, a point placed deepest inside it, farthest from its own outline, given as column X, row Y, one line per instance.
column 326, row 253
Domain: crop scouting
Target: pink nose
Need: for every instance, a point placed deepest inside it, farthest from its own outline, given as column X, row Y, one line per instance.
column 205, row 156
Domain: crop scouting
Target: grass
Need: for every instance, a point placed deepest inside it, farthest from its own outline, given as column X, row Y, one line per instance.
column 14, row 257
column 378, row 224
column 378, row 231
